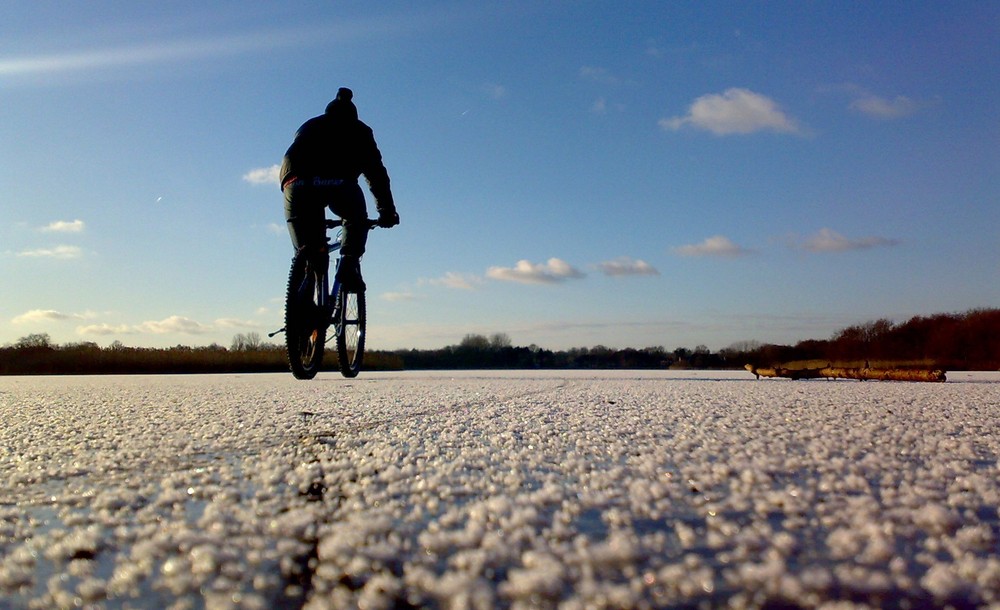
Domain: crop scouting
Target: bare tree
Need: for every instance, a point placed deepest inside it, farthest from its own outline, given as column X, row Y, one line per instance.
column 498, row 341
column 253, row 341
column 475, row 342
column 35, row 340
column 239, row 343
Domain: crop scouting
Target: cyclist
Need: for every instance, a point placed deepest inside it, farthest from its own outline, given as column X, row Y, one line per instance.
column 320, row 169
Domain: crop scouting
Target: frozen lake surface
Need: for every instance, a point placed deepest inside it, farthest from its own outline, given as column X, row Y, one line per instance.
column 512, row 490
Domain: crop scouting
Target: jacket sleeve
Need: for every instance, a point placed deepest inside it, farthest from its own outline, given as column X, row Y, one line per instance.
column 375, row 172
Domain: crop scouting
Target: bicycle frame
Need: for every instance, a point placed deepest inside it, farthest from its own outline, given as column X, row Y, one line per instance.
column 329, row 293
column 315, row 303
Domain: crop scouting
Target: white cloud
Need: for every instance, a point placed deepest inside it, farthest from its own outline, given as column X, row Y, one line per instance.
column 464, row 281
column 47, row 315
column 63, row 226
column 626, row 266
column 735, row 111
column 526, row 272
column 882, row 108
column 718, row 245
column 104, row 329
column 828, row 240
column 263, row 175
column 235, row 323
column 174, row 324
column 59, row 252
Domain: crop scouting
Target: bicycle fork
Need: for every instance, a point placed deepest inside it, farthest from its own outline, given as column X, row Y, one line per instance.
column 323, row 299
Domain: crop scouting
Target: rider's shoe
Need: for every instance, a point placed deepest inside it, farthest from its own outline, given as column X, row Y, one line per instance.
column 349, row 274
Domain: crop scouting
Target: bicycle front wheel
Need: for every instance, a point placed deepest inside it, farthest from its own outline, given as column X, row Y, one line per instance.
column 305, row 328
column 350, row 328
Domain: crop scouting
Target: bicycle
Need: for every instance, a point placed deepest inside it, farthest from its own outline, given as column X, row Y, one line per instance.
column 312, row 306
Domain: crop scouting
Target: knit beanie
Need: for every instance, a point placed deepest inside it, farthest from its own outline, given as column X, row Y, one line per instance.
column 342, row 106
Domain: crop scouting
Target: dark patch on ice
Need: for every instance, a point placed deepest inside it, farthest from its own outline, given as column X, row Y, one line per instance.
column 590, row 522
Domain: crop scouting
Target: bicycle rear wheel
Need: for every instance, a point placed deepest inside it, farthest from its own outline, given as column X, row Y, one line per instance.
column 305, row 328
column 350, row 329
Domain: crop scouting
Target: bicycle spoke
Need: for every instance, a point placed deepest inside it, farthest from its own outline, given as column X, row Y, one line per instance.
column 351, row 333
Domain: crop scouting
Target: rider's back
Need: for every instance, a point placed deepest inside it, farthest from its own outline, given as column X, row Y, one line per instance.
column 328, row 147
column 338, row 145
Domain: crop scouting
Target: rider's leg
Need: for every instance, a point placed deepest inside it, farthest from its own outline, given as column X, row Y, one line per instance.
column 305, row 216
column 350, row 206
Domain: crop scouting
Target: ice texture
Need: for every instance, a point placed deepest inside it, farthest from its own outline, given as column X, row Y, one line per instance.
column 474, row 490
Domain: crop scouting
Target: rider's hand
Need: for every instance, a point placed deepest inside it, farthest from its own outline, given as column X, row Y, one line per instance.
column 388, row 218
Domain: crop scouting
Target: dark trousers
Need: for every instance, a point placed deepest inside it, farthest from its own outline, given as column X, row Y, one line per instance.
column 305, row 212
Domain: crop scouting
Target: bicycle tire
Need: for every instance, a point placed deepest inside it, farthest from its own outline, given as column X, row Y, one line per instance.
column 305, row 331
column 350, row 330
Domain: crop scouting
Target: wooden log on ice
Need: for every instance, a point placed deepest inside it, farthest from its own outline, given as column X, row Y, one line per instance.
column 862, row 374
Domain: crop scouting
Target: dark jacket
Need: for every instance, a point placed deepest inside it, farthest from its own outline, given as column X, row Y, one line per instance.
column 336, row 145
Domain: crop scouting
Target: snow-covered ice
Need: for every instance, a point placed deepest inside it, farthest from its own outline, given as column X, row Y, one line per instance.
column 516, row 489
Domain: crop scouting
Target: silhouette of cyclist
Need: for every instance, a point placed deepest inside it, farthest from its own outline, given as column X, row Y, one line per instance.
column 321, row 169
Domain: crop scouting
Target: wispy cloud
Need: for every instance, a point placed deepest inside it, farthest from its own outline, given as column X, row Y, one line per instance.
column 494, row 91
column 174, row 324
column 263, row 175
column 526, row 272
column 218, row 46
column 463, row 281
column 883, row 108
column 876, row 106
column 653, row 48
column 399, row 296
column 602, row 106
column 717, row 245
column 105, row 329
column 235, row 323
column 222, row 45
column 118, row 57
column 828, row 240
column 607, row 81
column 170, row 325
column 735, row 111
column 64, row 226
column 626, row 266
column 57, row 252
column 48, row 315
column 599, row 75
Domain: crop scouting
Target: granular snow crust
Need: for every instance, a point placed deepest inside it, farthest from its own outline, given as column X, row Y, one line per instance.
column 598, row 489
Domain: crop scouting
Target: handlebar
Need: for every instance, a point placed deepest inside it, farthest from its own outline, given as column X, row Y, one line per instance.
column 370, row 223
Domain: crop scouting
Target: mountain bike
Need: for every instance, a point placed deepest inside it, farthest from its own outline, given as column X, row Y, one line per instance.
column 313, row 306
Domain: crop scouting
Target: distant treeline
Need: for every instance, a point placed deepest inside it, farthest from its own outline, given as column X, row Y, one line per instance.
column 37, row 355
column 966, row 341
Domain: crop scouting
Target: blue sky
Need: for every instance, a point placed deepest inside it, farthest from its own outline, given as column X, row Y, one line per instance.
column 569, row 173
